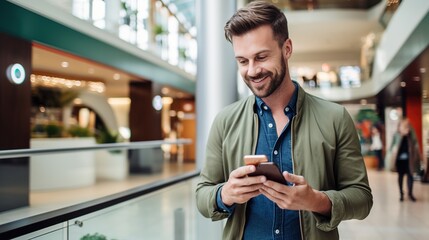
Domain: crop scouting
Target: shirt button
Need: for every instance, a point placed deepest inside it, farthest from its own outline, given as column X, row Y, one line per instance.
column 277, row 231
column 270, row 125
column 276, row 152
column 287, row 109
column 265, row 108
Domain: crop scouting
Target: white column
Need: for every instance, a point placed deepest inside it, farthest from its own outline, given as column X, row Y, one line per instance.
column 216, row 84
column 217, row 69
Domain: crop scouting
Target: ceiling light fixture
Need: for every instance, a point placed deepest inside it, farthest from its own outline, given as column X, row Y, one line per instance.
column 64, row 64
column 392, row 2
column 49, row 81
column 165, row 91
column 116, row 76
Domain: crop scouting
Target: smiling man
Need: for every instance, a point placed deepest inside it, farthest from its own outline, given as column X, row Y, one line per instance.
column 312, row 141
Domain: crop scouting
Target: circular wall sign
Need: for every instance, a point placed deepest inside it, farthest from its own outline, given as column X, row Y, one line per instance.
column 15, row 73
column 157, row 102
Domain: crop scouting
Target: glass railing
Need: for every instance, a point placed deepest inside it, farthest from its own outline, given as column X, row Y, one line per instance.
column 168, row 213
column 83, row 183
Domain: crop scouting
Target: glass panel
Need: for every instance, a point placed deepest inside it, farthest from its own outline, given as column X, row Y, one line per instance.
column 62, row 180
column 165, row 214
column 99, row 13
column 81, row 9
column 55, row 232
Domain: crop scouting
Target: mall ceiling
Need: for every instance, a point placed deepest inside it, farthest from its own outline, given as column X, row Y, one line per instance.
column 316, row 41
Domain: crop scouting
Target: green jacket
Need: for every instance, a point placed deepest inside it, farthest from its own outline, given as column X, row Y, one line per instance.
column 325, row 150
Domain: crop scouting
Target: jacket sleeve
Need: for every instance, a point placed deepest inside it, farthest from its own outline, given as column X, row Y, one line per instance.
column 352, row 198
column 212, row 175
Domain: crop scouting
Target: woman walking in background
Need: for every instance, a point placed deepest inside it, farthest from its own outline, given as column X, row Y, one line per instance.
column 405, row 152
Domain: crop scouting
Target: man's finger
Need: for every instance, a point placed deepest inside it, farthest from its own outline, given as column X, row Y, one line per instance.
column 243, row 171
column 293, row 179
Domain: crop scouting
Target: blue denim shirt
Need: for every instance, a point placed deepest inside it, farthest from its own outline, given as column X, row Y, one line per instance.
column 284, row 224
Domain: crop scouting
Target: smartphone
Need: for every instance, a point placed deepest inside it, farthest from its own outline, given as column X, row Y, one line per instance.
column 255, row 159
column 263, row 167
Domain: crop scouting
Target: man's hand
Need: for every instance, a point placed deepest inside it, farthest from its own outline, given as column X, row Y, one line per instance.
column 300, row 196
column 240, row 188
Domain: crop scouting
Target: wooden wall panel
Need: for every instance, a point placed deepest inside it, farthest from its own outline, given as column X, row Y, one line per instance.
column 15, row 105
column 145, row 121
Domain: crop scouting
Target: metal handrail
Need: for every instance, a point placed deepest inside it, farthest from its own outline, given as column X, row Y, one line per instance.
column 15, row 153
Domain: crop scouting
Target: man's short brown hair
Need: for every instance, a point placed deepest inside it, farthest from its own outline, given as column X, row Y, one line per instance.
column 254, row 15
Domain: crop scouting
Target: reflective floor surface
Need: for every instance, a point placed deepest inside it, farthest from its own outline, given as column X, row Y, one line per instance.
column 390, row 218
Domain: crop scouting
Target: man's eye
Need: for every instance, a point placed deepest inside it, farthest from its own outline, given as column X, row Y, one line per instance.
column 261, row 58
column 242, row 62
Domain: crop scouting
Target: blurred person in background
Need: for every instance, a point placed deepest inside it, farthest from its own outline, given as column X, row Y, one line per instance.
column 405, row 156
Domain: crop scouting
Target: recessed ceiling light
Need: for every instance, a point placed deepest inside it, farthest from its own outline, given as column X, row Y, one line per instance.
column 416, row 78
column 165, row 91
column 403, row 84
column 116, row 76
column 422, row 70
column 187, row 107
column 64, row 64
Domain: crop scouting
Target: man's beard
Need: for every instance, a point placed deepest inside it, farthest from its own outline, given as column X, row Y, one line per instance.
column 275, row 82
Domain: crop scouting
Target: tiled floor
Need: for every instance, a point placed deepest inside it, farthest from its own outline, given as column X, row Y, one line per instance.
column 390, row 218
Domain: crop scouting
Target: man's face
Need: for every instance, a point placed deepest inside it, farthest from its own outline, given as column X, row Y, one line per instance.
column 261, row 62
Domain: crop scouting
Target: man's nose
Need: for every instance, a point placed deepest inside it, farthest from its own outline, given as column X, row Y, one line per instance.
column 253, row 70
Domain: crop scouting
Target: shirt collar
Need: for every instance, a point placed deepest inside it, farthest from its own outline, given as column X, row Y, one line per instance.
column 261, row 106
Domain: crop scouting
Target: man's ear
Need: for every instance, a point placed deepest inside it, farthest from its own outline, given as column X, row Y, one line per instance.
column 287, row 48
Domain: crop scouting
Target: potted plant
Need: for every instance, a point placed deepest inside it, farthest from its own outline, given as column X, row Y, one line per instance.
column 78, row 131
column 95, row 236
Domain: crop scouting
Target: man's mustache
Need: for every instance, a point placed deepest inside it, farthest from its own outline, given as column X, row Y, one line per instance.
column 259, row 76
